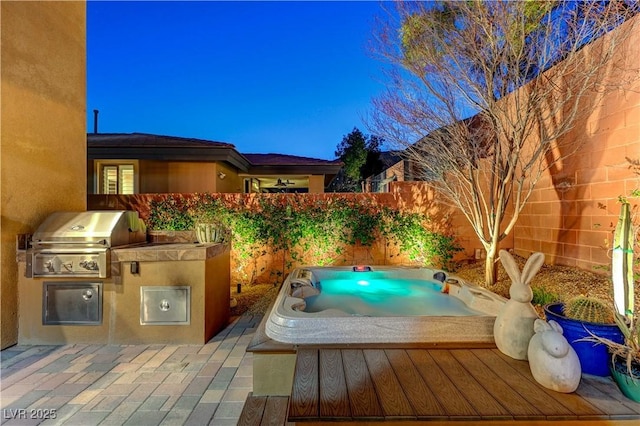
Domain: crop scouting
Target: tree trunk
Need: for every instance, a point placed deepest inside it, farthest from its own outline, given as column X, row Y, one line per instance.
column 491, row 267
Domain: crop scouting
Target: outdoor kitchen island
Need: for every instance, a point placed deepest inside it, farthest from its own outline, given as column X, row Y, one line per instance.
column 174, row 293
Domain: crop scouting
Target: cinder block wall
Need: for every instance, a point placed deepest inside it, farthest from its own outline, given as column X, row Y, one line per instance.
column 574, row 209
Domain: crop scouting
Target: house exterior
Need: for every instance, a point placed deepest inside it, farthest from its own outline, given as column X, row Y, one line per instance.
column 140, row 163
column 395, row 169
column 398, row 166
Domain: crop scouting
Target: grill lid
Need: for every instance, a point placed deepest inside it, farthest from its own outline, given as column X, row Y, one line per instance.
column 109, row 228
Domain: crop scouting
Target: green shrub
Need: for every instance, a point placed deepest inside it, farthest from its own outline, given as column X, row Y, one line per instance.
column 543, row 297
column 170, row 213
column 410, row 232
column 310, row 230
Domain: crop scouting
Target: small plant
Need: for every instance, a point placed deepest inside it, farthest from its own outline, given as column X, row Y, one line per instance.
column 210, row 220
column 629, row 350
column 588, row 309
column 541, row 296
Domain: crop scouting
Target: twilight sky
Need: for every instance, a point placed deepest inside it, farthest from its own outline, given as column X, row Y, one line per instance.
column 284, row 76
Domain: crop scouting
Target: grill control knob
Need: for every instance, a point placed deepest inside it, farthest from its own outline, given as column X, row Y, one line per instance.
column 164, row 305
column 90, row 265
column 87, row 295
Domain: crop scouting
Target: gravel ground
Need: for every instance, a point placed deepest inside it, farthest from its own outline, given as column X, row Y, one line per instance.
column 253, row 299
column 552, row 282
column 562, row 281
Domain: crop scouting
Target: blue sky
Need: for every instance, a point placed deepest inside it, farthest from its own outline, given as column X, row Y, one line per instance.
column 285, row 77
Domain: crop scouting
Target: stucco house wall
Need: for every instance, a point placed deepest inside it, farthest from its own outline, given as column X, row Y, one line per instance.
column 157, row 173
column 231, row 182
column 316, row 184
column 165, row 177
column 190, row 177
column 43, row 133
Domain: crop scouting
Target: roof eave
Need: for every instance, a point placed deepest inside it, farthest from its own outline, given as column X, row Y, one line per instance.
column 195, row 154
column 295, row 169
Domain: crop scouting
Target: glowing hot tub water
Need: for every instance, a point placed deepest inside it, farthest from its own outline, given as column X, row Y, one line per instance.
column 342, row 305
column 380, row 294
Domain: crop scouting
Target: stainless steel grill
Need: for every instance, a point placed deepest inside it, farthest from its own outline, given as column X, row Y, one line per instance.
column 78, row 244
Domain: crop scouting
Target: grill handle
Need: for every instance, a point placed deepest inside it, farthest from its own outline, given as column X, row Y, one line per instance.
column 99, row 242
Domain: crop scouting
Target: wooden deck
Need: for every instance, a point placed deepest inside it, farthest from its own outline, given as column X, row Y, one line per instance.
column 431, row 385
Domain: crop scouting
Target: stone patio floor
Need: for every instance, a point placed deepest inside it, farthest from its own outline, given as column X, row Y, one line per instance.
column 130, row 384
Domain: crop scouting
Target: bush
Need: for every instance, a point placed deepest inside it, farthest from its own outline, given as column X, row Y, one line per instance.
column 310, row 230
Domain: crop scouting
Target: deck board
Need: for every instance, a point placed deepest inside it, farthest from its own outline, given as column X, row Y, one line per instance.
column 475, row 391
column 578, row 405
column 305, row 392
column 525, row 386
column 437, row 385
column 423, row 401
column 604, row 384
column 390, row 394
column 446, row 392
column 500, row 391
column 334, row 399
column 362, row 396
column 600, row 400
column 252, row 410
column 275, row 411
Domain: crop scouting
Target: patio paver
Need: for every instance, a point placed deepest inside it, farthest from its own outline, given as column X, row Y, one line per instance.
column 129, row 384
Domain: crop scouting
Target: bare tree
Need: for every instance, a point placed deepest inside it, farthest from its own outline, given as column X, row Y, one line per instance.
column 482, row 96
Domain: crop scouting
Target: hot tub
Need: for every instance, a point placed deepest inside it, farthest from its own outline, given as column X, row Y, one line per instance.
column 382, row 305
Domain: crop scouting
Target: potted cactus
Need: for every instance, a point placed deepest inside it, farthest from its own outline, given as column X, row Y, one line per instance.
column 208, row 219
column 210, row 232
column 622, row 263
column 580, row 318
column 625, row 356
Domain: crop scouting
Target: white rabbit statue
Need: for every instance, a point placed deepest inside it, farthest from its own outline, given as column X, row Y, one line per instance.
column 514, row 324
column 553, row 362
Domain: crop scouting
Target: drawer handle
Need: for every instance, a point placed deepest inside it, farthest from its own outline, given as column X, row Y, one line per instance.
column 164, row 305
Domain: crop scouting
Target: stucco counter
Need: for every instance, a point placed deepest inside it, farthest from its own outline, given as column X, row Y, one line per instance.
column 137, row 297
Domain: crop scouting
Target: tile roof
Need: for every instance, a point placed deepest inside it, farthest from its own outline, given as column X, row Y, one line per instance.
column 286, row 160
column 161, row 147
column 150, row 141
column 390, row 158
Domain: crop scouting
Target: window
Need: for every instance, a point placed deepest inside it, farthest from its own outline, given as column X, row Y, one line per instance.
column 117, row 179
column 251, row 185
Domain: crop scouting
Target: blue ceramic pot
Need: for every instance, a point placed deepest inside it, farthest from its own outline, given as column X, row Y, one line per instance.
column 594, row 358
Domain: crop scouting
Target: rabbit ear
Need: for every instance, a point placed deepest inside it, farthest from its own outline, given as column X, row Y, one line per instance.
column 555, row 326
column 540, row 325
column 510, row 266
column 531, row 268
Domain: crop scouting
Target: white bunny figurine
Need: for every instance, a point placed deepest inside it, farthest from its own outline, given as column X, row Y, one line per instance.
column 514, row 324
column 553, row 362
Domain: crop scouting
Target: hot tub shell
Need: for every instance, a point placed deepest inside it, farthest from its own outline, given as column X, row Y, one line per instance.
column 286, row 323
